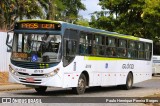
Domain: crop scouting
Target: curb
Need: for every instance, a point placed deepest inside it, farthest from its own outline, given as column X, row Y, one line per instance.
column 10, row 87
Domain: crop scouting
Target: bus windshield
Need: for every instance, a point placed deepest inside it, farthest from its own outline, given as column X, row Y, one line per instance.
column 36, row 48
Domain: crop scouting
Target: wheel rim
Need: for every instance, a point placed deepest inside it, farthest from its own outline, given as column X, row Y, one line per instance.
column 81, row 85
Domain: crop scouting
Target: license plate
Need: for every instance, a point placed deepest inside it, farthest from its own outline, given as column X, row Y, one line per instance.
column 30, row 79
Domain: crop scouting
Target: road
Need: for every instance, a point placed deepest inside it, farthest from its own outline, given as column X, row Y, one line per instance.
column 142, row 89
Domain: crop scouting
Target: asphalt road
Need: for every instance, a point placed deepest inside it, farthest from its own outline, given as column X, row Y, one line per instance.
column 143, row 89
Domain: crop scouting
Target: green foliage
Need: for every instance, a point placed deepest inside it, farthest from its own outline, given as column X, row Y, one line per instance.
column 81, row 21
column 134, row 17
column 106, row 23
column 72, row 9
column 12, row 10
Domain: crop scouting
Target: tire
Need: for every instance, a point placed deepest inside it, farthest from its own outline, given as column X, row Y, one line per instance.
column 154, row 74
column 41, row 89
column 129, row 82
column 81, row 87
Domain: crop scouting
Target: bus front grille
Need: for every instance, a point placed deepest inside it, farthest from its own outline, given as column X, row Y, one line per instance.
column 33, row 65
column 26, row 74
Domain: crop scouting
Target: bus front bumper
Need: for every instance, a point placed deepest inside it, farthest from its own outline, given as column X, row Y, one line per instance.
column 54, row 81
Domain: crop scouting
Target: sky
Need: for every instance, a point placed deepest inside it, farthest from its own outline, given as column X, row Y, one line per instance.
column 91, row 6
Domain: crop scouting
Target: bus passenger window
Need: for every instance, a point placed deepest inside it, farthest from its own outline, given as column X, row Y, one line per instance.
column 140, row 50
column 90, row 49
column 122, row 51
column 101, row 50
column 131, row 49
column 81, row 48
column 148, row 51
column 111, row 51
column 94, row 50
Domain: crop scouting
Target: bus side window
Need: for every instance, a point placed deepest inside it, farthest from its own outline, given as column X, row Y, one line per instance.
column 81, row 49
column 88, row 44
column 132, row 49
column 70, row 51
column 111, row 47
column 122, row 50
column 148, row 51
column 140, row 50
column 82, row 44
column 111, row 51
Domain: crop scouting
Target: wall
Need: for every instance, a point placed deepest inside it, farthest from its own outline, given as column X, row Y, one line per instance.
column 4, row 55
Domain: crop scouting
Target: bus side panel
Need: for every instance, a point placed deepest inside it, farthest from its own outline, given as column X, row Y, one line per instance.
column 143, row 71
column 72, row 72
column 109, row 73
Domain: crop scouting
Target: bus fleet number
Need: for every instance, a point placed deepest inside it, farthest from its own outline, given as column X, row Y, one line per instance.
column 128, row 66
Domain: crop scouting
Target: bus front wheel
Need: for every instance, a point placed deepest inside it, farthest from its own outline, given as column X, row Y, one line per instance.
column 81, row 87
column 41, row 89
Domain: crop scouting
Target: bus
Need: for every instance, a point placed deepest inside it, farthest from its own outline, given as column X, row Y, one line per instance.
column 156, row 65
column 49, row 53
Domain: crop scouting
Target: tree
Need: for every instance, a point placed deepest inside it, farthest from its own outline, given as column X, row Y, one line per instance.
column 72, row 9
column 101, row 20
column 81, row 21
column 127, row 14
column 134, row 17
column 12, row 10
column 5, row 11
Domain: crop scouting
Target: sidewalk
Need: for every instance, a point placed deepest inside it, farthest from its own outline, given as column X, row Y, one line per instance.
column 9, row 87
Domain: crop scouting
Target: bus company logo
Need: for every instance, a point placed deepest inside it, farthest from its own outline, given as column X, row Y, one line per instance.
column 20, row 70
column 128, row 66
column 106, row 66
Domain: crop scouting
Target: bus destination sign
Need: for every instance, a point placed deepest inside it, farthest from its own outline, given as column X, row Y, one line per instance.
column 40, row 26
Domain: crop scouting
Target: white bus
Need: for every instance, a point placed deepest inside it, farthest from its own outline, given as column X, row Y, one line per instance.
column 57, row 54
column 156, row 65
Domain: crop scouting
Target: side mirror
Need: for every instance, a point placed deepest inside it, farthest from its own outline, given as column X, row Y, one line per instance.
column 9, row 40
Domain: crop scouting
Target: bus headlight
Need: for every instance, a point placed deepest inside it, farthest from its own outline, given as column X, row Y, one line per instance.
column 12, row 70
column 52, row 73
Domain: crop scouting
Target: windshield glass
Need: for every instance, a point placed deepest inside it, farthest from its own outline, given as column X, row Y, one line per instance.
column 36, row 48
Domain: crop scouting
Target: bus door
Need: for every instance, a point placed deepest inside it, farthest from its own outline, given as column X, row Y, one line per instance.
column 70, row 45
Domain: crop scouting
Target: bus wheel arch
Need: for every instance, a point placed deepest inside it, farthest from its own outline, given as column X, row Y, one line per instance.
column 87, row 76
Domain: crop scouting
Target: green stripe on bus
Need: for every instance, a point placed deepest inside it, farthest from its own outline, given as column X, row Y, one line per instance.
column 122, row 36
column 102, row 58
column 48, row 21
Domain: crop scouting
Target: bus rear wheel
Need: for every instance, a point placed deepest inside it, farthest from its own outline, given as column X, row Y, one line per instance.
column 129, row 82
column 41, row 89
column 81, row 87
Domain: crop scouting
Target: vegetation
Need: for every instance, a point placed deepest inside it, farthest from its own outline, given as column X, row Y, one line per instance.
column 134, row 17
column 12, row 10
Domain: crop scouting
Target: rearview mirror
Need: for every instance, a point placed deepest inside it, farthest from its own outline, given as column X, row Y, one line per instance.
column 9, row 40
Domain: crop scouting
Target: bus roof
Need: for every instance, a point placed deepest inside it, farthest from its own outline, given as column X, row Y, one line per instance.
column 89, row 29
